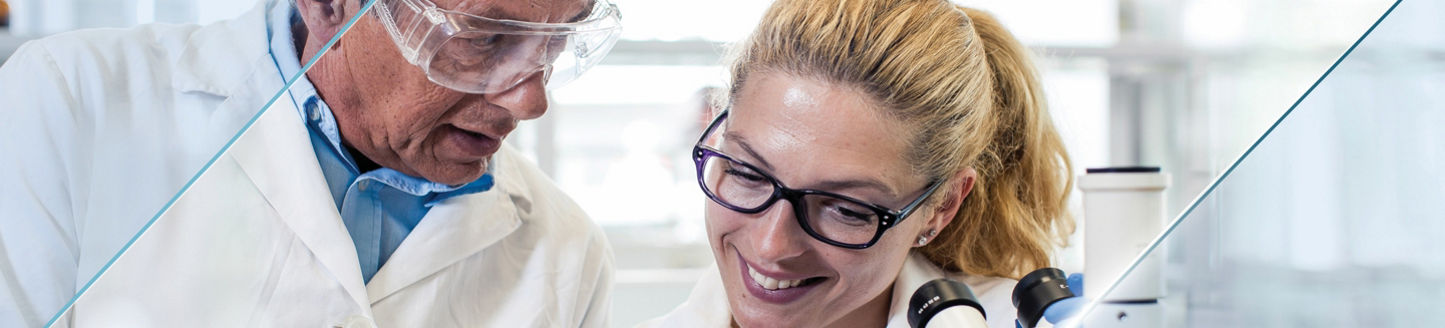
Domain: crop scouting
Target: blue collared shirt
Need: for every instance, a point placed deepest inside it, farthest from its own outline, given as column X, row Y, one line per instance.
column 379, row 207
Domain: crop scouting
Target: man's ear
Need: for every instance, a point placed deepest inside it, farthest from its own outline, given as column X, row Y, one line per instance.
column 324, row 18
column 957, row 189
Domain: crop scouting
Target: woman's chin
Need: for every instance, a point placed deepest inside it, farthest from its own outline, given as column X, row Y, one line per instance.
column 750, row 321
column 768, row 315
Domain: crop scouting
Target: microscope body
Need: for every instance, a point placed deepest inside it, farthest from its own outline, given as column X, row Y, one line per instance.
column 1123, row 213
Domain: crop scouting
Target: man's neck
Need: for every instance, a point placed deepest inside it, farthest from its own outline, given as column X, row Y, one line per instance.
column 298, row 36
column 298, row 39
column 363, row 164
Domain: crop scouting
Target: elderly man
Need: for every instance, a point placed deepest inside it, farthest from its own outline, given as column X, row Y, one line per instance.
column 371, row 190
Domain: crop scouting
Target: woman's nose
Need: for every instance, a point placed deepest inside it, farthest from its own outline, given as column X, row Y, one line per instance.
column 777, row 236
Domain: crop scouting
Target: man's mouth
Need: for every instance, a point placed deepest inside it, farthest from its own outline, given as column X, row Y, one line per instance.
column 473, row 145
column 478, row 133
column 474, row 134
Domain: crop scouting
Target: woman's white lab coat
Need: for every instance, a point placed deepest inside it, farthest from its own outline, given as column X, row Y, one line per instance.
column 707, row 306
column 101, row 128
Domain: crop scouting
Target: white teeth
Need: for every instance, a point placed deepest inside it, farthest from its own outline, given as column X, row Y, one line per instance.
column 772, row 284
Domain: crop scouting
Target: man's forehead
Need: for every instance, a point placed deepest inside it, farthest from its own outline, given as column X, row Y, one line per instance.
column 540, row 11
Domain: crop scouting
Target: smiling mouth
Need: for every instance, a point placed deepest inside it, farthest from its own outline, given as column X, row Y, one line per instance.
column 770, row 283
column 771, row 289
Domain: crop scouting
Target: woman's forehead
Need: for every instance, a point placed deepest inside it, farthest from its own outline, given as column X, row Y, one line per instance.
column 817, row 113
column 820, row 129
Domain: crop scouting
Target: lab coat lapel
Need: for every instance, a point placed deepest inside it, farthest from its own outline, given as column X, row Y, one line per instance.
column 451, row 231
column 210, row 56
column 209, row 59
column 277, row 155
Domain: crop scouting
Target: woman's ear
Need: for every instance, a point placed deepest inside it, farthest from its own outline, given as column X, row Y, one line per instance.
column 324, row 18
column 957, row 189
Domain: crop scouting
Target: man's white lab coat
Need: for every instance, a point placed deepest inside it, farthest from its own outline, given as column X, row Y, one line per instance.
column 101, row 128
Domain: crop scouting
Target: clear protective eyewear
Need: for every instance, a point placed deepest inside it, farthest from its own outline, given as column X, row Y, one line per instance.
column 832, row 218
column 481, row 55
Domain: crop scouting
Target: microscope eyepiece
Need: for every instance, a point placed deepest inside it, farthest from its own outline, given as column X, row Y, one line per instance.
column 939, row 295
column 1036, row 292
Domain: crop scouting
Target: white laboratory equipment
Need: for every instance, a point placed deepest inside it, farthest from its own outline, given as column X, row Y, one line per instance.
column 1123, row 214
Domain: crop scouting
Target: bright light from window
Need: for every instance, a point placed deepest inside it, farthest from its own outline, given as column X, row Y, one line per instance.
column 1088, row 22
column 673, row 20
column 1056, row 23
column 639, row 84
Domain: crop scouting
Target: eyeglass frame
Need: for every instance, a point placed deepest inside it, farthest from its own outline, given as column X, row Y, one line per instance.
column 887, row 218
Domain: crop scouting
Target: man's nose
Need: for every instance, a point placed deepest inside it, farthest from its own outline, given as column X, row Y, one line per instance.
column 777, row 236
column 526, row 100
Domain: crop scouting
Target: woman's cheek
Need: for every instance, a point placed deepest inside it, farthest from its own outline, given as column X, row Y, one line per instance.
column 717, row 225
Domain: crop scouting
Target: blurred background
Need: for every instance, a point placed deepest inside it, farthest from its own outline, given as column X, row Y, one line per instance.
column 1186, row 85
column 1335, row 220
column 23, row 20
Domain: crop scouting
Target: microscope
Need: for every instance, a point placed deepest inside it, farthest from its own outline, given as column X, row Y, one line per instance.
column 1123, row 213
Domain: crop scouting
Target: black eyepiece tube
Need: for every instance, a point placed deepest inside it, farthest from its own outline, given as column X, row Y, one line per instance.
column 939, row 295
column 1036, row 292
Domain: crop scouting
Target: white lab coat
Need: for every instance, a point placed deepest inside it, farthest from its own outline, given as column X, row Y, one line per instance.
column 108, row 124
column 707, row 306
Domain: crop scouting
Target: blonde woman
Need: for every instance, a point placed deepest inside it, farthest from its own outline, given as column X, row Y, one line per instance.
column 870, row 146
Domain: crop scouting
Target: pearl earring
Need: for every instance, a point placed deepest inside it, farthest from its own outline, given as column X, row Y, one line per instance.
column 923, row 240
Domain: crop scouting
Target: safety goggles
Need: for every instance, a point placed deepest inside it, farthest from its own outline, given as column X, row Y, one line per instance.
column 476, row 54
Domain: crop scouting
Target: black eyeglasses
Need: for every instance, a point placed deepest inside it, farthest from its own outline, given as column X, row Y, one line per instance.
column 831, row 218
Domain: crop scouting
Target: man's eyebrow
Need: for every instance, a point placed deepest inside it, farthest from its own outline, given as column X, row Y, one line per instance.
column 493, row 12
column 586, row 11
column 583, row 15
column 743, row 142
column 496, row 12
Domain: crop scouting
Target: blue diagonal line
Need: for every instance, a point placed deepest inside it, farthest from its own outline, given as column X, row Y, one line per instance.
column 203, row 169
column 1219, row 179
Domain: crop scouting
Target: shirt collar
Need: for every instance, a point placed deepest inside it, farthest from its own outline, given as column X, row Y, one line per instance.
column 283, row 48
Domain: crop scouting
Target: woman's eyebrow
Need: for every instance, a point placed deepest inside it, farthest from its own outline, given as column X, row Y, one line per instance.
column 743, row 142
column 866, row 183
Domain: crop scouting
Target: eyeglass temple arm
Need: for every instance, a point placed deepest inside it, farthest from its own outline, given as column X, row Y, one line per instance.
column 712, row 126
column 916, row 202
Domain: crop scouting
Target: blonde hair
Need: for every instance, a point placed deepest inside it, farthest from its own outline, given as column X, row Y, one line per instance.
column 972, row 96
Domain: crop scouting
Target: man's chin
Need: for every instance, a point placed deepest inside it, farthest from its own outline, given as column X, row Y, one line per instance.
column 456, row 174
